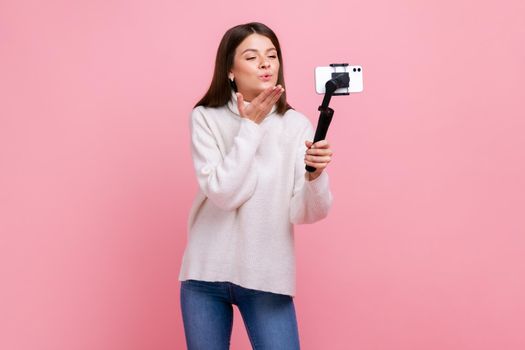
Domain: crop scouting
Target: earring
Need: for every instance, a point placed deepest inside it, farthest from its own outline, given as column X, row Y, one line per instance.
column 232, row 83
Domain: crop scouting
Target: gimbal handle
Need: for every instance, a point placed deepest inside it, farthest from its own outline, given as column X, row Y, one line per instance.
column 339, row 80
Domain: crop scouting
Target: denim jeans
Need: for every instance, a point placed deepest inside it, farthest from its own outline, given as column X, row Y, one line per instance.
column 207, row 315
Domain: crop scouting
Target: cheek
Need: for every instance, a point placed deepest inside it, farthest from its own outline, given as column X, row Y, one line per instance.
column 242, row 66
column 276, row 69
column 247, row 69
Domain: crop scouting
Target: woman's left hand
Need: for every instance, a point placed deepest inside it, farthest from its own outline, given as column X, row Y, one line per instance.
column 317, row 155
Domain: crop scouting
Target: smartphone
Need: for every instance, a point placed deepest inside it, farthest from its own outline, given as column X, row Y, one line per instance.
column 323, row 74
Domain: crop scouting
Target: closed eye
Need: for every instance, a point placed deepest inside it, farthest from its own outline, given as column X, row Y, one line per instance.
column 251, row 58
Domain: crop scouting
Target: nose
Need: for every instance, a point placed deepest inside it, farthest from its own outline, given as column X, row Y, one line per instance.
column 265, row 63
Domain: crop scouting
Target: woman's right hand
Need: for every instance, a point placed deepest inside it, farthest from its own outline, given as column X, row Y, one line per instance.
column 261, row 105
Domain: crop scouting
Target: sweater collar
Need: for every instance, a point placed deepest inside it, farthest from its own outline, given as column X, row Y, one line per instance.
column 232, row 104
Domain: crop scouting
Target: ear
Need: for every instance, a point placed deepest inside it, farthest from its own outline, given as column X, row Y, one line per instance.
column 230, row 76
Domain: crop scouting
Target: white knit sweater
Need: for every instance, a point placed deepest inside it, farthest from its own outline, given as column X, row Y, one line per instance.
column 252, row 188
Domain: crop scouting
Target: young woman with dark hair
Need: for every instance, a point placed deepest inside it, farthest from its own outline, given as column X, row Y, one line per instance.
column 249, row 150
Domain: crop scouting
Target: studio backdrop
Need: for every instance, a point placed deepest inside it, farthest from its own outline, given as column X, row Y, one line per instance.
column 424, row 246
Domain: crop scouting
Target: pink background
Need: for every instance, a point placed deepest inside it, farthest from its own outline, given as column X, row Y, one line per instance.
column 424, row 248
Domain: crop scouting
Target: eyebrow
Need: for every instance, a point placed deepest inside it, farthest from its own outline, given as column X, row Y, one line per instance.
column 273, row 48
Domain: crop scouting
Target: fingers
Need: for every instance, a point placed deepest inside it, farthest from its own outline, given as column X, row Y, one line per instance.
column 269, row 96
column 276, row 96
column 318, row 166
column 265, row 106
column 318, row 155
column 318, row 159
column 263, row 95
column 261, row 105
column 319, row 151
column 322, row 144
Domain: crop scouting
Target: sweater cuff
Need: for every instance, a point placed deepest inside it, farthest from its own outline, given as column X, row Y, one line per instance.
column 319, row 185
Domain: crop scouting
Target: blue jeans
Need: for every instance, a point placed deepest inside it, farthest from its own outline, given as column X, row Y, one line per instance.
column 207, row 314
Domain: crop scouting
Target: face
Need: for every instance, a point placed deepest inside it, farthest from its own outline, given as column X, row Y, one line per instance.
column 255, row 57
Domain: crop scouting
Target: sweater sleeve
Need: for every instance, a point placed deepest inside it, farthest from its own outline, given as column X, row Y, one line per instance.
column 227, row 180
column 311, row 200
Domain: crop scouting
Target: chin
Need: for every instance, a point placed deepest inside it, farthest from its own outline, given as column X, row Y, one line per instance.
column 267, row 84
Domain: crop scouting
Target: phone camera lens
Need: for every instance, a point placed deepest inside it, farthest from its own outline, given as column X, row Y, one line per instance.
column 358, row 69
column 354, row 69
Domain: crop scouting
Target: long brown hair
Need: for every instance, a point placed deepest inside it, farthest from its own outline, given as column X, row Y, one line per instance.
column 219, row 92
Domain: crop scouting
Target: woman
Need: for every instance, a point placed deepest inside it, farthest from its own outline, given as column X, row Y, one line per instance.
column 249, row 149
